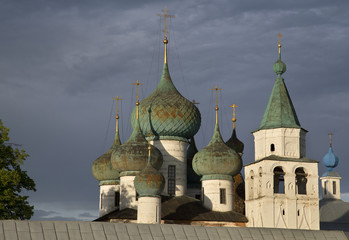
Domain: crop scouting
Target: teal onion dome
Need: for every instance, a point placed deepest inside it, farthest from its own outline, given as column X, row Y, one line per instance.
column 330, row 160
column 166, row 113
column 235, row 143
column 102, row 168
column 279, row 66
column 149, row 182
column 217, row 160
column 193, row 180
column 132, row 155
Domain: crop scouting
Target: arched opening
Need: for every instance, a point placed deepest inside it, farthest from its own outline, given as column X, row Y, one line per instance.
column 279, row 181
column 301, row 181
column 251, row 185
column 272, row 147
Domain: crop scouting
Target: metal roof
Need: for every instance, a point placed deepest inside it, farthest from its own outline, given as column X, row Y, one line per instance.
column 55, row 230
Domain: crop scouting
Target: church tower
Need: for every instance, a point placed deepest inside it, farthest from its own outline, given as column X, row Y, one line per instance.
column 330, row 180
column 217, row 164
column 281, row 184
column 109, row 181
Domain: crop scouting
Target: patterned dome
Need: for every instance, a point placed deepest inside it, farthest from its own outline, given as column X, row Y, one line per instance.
column 149, row 182
column 167, row 113
column 217, row 159
column 132, row 155
column 102, row 168
column 330, row 160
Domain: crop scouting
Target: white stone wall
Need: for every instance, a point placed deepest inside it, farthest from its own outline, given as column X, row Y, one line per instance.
column 174, row 153
column 127, row 192
column 327, row 187
column 264, row 208
column 107, row 198
column 149, row 210
column 211, row 195
column 288, row 142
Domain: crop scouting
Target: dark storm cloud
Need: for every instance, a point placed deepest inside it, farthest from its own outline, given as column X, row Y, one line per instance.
column 61, row 62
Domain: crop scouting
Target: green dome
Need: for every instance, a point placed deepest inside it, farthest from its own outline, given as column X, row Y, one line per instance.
column 167, row 113
column 193, row 180
column 132, row 155
column 102, row 168
column 235, row 143
column 149, row 182
column 279, row 66
column 217, row 159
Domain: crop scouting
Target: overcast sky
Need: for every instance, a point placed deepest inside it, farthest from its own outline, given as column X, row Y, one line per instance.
column 62, row 62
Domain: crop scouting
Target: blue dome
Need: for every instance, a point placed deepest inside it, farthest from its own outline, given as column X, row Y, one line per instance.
column 330, row 160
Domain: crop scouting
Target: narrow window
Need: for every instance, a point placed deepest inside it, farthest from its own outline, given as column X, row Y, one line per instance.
column 298, row 212
column 301, row 181
column 334, row 187
column 117, row 199
column 222, row 196
column 137, row 195
column 101, row 201
column 325, row 188
column 251, row 185
column 202, row 195
column 279, row 182
column 272, row 147
column 283, row 211
column 171, row 188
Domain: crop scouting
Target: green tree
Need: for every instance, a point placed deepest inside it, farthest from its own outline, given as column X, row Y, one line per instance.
column 13, row 180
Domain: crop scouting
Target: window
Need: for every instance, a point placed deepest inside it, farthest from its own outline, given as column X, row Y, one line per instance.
column 279, row 182
column 101, row 201
column 325, row 188
column 251, row 185
column 272, row 147
column 202, row 195
column 334, row 187
column 301, row 181
column 171, row 188
column 222, row 196
column 137, row 195
column 117, row 199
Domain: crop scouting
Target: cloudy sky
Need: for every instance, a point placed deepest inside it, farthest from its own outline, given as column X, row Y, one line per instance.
column 62, row 62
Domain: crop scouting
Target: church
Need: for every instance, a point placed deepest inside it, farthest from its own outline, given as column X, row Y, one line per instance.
column 158, row 176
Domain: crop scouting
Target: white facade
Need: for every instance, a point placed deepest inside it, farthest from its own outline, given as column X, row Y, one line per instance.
column 282, row 201
column 217, row 195
column 149, row 210
column 128, row 193
column 109, row 198
column 283, row 142
column 331, row 187
column 175, row 158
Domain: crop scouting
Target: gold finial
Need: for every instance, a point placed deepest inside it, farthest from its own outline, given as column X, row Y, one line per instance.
column 279, row 42
column 137, row 103
column 117, row 112
column 330, row 134
column 149, row 134
column 233, row 119
column 165, row 15
column 216, row 108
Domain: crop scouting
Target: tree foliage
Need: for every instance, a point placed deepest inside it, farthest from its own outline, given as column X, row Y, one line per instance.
column 13, row 180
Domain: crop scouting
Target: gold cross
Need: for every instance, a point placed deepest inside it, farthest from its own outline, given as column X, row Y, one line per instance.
column 194, row 102
column 216, row 108
column 149, row 134
column 137, row 83
column 279, row 41
column 233, row 119
column 117, row 106
column 165, row 15
column 330, row 134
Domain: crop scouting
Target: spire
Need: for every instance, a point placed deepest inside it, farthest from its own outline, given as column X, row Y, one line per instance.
column 165, row 15
column 137, row 103
column 280, row 111
column 216, row 108
column 117, row 136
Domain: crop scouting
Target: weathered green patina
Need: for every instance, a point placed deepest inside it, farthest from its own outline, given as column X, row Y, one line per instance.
column 132, row 155
column 235, row 143
column 166, row 113
column 193, row 180
column 102, row 168
column 149, row 182
column 280, row 111
column 217, row 158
